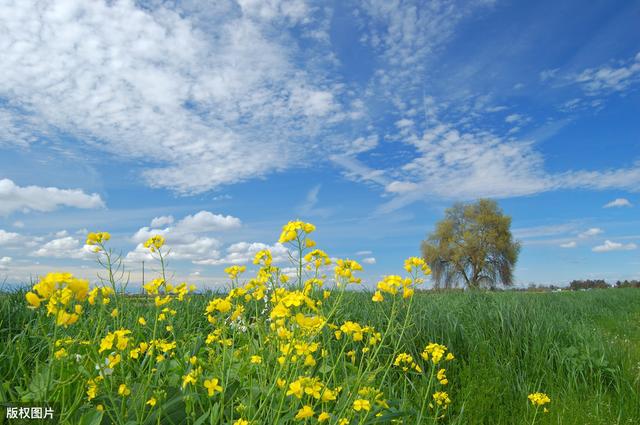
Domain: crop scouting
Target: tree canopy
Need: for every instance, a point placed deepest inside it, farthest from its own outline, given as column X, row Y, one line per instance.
column 472, row 245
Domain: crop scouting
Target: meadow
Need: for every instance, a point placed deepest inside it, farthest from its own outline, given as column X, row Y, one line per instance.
column 281, row 349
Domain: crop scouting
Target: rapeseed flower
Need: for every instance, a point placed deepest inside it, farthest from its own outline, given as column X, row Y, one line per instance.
column 154, row 243
column 212, row 386
column 305, row 412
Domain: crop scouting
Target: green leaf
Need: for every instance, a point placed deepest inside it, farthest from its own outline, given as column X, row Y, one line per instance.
column 91, row 417
column 202, row 418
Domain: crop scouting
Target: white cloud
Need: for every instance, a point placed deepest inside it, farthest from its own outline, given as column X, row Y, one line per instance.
column 608, row 246
column 4, row 262
column 571, row 244
column 310, row 207
column 10, row 238
column 369, row 260
column 203, row 98
column 26, row 198
column 454, row 164
column 19, row 224
column 243, row 253
column 618, row 202
column 596, row 81
column 513, row 118
column 205, row 221
column 190, row 238
column 591, row 232
column 195, row 249
column 294, row 10
column 362, row 144
column 162, row 221
column 65, row 247
column 364, row 253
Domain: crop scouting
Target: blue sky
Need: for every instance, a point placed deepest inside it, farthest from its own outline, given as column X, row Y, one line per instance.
column 216, row 122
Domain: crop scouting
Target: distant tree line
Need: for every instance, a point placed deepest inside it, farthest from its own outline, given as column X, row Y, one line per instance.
column 576, row 285
column 628, row 284
column 601, row 284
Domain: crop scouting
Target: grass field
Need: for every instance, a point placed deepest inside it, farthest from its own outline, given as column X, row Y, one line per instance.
column 309, row 355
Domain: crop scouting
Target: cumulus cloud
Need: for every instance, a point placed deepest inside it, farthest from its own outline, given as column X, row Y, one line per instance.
column 571, row 244
column 162, row 221
column 369, row 260
column 243, row 253
column 10, row 238
column 618, row 202
column 36, row 198
column 4, row 262
column 65, row 247
column 190, row 238
column 608, row 246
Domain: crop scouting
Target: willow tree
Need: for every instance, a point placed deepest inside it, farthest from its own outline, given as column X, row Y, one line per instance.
column 472, row 245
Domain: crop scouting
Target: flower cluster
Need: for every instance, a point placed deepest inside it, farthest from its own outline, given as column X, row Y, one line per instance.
column 295, row 229
column 63, row 294
column 154, row 243
column 539, row 399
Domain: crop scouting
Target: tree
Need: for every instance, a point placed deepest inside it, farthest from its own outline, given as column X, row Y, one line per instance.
column 472, row 245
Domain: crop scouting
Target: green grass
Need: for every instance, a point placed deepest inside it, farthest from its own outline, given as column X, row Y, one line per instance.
column 581, row 348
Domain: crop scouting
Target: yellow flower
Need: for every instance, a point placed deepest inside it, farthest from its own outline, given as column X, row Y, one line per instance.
column 219, row 304
column 160, row 301
column 123, row 390
column 263, row 257
column 441, row 398
column 407, row 292
column 189, row 378
column 114, row 312
column 113, row 360
column 97, row 238
column 234, row 271
column 416, row 263
column 61, row 353
column 345, row 269
column 436, row 351
column 92, row 389
column 256, row 359
column 324, row 416
column 33, row 299
column 377, row 297
column 142, row 321
column 304, row 413
column 361, row 404
column 154, row 243
column 296, row 389
column 241, row 422
column 293, row 229
column 212, row 386
column 343, row 421
column 65, row 319
column 539, row 399
column 152, row 401
column 281, row 382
